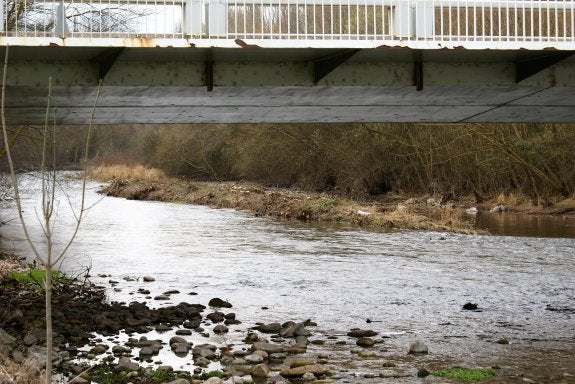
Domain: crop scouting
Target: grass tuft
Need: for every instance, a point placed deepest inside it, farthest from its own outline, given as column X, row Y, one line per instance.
column 125, row 172
column 465, row 374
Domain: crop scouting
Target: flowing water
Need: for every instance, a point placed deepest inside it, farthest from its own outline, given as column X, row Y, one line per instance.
column 411, row 284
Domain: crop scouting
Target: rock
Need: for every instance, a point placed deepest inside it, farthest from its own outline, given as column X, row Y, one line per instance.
column 470, row 306
column 301, row 340
column 418, row 348
column 316, row 369
column 118, row 349
column 308, row 376
column 503, row 341
column 177, row 340
column 292, row 329
column 220, row 329
column 99, row 349
column 125, row 363
column 301, row 362
column 7, row 342
column 270, row 328
column 471, row 211
column 260, row 370
column 201, row 361
column 180, row 349
column 148, row 279
column 254, row 358
column 194, row 323
column 183, row 332
column 365, row 342
column 423, row 372
column 498, row 209
column 179, row 381
column 162, row 297
column 356, row 332
column 205, row 350
column 277, row 357
column 213, row 380
column 217, row 302
column 215, row 317
column 29, row 340
column 163, row 328
column 268, row 347
column 146, row 351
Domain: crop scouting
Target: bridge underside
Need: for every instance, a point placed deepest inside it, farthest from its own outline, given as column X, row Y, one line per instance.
column 243, row 85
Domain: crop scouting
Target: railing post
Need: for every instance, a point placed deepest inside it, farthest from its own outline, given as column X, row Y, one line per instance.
column 193, row 17
column 217, row 17
column 61, row 25
column 424, row 20
column 403, row 20
column 2, row 15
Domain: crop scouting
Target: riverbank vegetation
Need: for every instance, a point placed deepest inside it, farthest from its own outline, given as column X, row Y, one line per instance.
column 532, row 162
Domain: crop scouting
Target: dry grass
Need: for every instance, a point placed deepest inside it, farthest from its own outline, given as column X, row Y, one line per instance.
column 125, row 172
column 512, row 199
column 8, row 263
column 29, row 372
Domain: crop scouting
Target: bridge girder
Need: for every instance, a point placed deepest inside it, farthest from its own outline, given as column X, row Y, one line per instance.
column 179, row 85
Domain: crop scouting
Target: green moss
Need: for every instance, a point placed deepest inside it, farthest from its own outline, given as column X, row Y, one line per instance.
column 465, row 374
column 35, row 276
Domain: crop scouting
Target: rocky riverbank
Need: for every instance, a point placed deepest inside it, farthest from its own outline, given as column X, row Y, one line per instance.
column 88, row 349
column 101, row 342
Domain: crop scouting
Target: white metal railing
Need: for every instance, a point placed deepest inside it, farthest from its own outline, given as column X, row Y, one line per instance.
column 434, row 23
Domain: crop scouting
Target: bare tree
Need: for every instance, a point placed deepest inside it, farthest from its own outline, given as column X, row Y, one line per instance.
column 50, row 257
column 32, row 16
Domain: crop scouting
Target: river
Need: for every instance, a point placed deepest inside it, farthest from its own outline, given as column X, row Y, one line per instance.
column 411, row 284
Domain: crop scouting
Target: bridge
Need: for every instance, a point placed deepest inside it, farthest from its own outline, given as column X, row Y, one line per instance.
column 218, row 61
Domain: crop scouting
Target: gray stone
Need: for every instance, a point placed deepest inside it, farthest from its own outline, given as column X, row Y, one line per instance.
column 254, row 359
column 216, row 317
column 316, row 369
column 213, row 380
column 270, row 328
column 201, row 361
column 308, row 376
column 180, row 349
column 162, row 297
column 99, row 349
column 220, row 329
column 365, row 342
column 148, row 279
column 126, row 364
column 179, row 381
column 260, row 370
column 30, row 340
column 217, row 302
column 418, row 348
column 268, row 347
column 356, row 332
column 183, row 332
column 177, row 340
column 146, row 351
column 163, row 328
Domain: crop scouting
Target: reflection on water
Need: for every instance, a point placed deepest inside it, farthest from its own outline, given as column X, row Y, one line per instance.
column 504, row 224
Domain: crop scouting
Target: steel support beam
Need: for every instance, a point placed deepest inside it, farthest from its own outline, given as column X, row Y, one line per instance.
column 106, row 60
column 325, row 65
column 531, row 66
